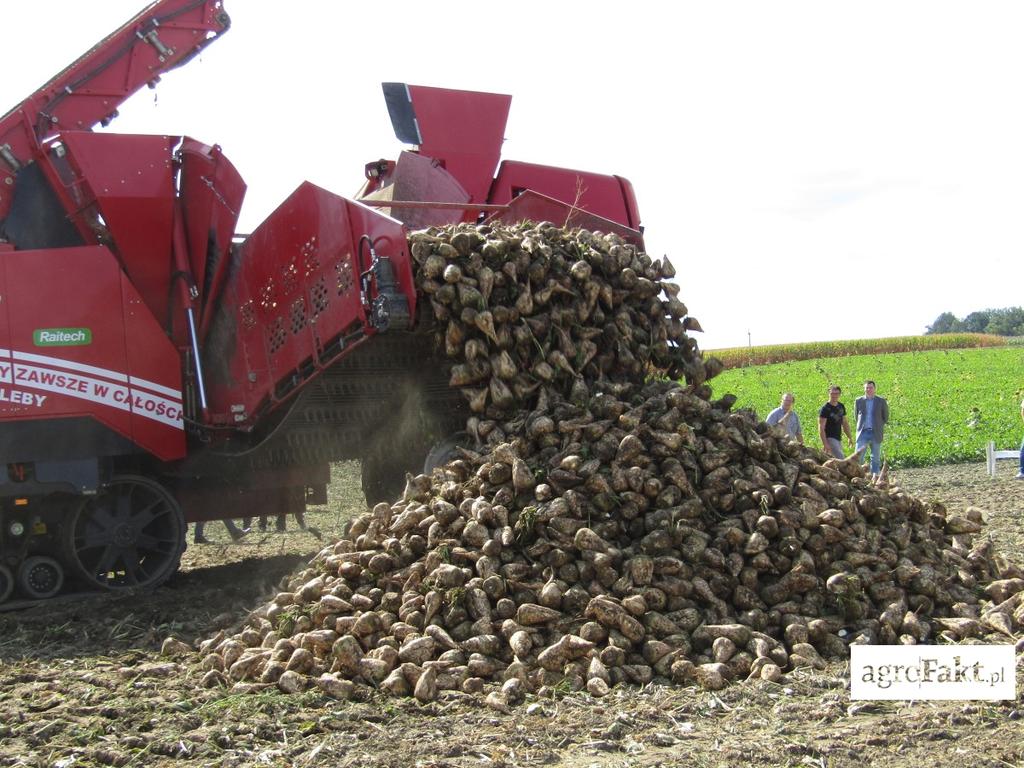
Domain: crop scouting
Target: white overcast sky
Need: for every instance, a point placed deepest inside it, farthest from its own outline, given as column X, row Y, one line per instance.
column 814, row 170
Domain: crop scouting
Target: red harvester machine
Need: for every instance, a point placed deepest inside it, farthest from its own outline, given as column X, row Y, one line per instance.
column 157, row 369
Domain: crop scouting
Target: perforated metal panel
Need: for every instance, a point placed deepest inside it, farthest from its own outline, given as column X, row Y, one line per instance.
column 319, row 296
column 345, row 276
column 277, row 336
column 298, row 315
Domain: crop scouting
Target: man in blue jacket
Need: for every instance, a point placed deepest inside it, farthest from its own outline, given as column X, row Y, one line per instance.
column 872, row 415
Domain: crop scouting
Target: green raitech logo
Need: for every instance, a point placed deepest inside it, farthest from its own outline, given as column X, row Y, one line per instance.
column 61, row 337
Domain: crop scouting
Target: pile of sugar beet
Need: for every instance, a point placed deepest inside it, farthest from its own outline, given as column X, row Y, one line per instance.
column 606, row 524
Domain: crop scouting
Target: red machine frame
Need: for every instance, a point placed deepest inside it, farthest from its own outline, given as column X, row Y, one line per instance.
column 158, row 369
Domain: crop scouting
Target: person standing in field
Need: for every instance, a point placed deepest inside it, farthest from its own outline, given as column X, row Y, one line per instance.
column 236, row 533
column 786, row 417
column 872, row 413
column 832, row 423
column 282, row 522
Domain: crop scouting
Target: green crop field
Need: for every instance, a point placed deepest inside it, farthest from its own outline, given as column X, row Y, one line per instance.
column 944, row 405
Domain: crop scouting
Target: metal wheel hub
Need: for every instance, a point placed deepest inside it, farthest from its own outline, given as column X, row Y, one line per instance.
column 41, row 578
column 124, row 535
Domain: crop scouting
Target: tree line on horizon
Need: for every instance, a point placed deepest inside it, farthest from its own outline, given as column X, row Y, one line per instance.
column 1008, row 321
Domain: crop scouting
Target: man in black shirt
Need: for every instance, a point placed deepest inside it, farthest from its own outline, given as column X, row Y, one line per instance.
column 832, row 424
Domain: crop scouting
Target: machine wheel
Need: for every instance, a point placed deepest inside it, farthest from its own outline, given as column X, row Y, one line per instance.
column 40, row 577
column 130, row 534
column 6, row 582
column 383, row 472
column 383, row 477
column 445, row 451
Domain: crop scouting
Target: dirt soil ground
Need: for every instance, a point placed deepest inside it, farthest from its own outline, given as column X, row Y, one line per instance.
column 82, row 683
